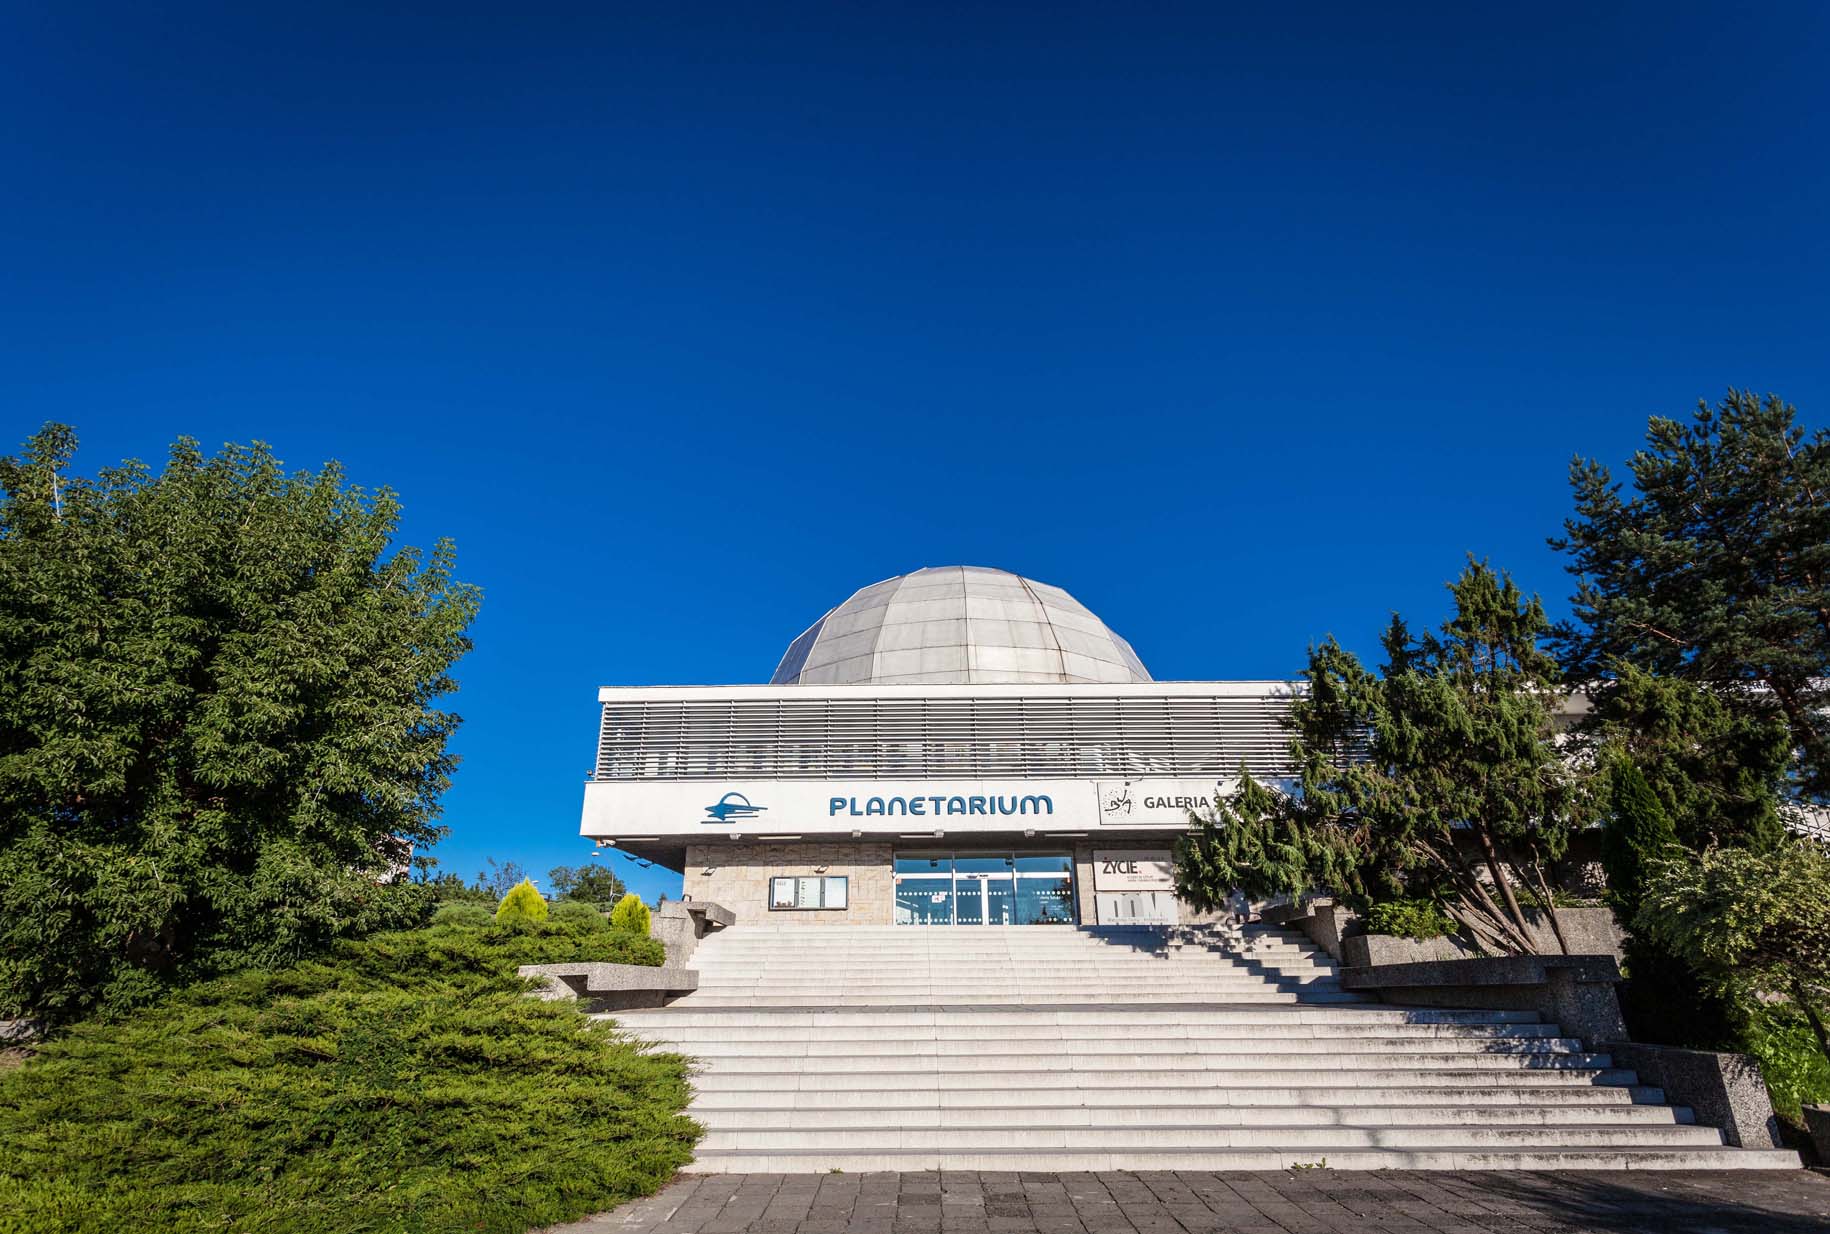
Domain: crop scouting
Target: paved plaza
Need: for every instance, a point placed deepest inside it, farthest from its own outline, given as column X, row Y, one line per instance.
column 1316, row 1201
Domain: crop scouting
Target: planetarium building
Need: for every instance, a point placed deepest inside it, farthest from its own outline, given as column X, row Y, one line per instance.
column 956, row 746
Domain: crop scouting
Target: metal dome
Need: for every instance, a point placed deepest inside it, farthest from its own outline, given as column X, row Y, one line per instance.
column 953, row 624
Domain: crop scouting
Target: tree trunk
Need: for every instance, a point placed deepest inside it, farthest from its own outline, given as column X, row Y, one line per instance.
column 1816, row 1021
column 1505, row 887
column 1548, row 898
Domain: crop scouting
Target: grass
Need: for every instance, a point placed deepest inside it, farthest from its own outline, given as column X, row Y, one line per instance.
column 403, row 1084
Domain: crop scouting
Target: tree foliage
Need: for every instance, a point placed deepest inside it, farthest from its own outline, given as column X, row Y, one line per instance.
column 1716, row 772
column 1255, row 842
column 630, row 914
column 1439, row 774
column 218, row 730
column 522, row 905
column 1716, row 570
column 1637, row 833
column 593, row 883
column 1759, row 922
column 404, row 1082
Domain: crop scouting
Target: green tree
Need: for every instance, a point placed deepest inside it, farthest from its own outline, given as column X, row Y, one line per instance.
column 1637, row 833
column 592, row 883
column 1254, row 842
column 1716, row 570
column 218, row 731
column 1716, row 772
column 630, row 914
column 1439, row 775
column 497, row 877
column 522, row 905
column 1757, row 923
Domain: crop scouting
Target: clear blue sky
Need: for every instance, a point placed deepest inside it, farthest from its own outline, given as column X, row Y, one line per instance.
column 685, row 323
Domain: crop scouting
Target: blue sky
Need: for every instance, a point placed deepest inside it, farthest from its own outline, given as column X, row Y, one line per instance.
column 1244, row 327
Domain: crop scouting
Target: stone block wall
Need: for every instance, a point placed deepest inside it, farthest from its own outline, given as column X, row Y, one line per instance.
column 740, row 874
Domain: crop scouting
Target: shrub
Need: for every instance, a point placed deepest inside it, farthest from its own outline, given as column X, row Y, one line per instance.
column 460, row 914
column 401, row 1083
column 630, row 914
column 1638, row 832
column 1418, row 919
column 580, row 912
column 522, row 905
column 1754, row 923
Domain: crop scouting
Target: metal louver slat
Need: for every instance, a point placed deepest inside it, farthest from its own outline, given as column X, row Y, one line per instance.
column 954, row 737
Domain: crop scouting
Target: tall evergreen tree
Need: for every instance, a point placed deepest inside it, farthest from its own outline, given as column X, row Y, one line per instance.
column 218, row 731
column 1716, row 570
column 1440, row 772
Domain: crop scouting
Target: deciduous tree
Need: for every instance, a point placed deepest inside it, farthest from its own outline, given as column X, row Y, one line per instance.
column 219, row 731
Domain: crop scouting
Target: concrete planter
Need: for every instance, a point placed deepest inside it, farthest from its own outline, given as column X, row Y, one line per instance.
column 1817, row 1122
column 1574, row 991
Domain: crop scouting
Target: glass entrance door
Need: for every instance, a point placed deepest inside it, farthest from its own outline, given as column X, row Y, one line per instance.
column 997, row 889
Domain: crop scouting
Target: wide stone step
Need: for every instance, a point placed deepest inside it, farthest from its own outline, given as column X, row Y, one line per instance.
column 1174, row 1136
column 712, row 1045
column 1263, row 1118
column 1490, row 1092
column 1311, row 1061
column 1015, row 990
column 1468, row 1157
column 1082, row 998
column 1054, row 1036
column 1278, row 1017
column 828, row 1079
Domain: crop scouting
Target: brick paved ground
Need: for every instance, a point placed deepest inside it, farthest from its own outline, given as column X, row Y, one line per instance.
column 1294, row 1202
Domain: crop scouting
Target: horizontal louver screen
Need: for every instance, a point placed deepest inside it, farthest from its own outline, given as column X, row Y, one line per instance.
column 918, row 738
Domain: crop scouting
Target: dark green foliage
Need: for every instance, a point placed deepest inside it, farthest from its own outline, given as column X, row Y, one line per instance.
column 592, row 883
column 630, row 914
column 1418, row 919
column 1637, row 832
column 521, row 906
column 217, row 720
column 1717, row 772
column 403, row 1083
column 1754, row 925
column 1716, row 570
column 1666, row 1002
column 475, row 916
column 1253, row 843
column 1426, row 777
column 579, row 912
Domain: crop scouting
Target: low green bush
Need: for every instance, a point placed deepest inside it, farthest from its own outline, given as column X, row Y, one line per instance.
column 521, row 906
column 1418, row 919
column 578, row 911
column 473, row 915
column 1796, row 1071
column 630, row 914
column 404, row 1083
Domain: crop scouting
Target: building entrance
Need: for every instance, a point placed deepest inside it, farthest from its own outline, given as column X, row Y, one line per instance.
column 997, row 888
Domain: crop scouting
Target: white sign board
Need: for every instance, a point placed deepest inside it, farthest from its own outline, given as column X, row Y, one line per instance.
column 1139, row 869
column 762, row 808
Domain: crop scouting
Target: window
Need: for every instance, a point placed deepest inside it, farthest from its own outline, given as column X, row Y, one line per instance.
column 815, row 892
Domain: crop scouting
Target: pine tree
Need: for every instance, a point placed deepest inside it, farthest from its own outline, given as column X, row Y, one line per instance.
column 1716, row 570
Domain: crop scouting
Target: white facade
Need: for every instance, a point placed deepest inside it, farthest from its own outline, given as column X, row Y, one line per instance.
column 955, row 724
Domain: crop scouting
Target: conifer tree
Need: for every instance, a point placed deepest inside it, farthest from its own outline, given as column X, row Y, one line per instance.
column 1716, row 570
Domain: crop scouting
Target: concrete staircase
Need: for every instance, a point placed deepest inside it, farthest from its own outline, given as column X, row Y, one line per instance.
column 1048, row 1048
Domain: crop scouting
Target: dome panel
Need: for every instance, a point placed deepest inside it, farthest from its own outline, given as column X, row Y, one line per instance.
column 958, row 624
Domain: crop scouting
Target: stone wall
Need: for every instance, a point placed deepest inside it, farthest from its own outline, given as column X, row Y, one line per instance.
column 740, row 874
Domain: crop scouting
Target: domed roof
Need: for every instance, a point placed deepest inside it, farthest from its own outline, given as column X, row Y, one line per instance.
column 950, row 624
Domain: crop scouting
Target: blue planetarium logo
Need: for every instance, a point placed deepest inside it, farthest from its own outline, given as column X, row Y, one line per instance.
column 733, row 805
